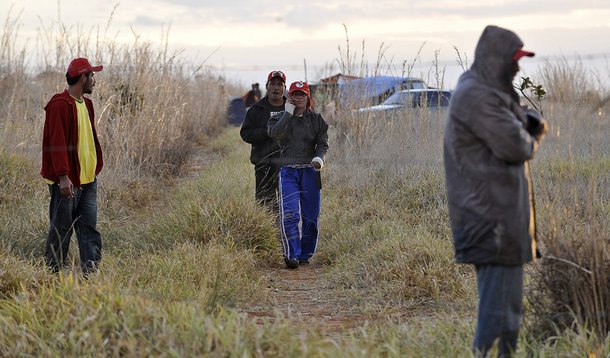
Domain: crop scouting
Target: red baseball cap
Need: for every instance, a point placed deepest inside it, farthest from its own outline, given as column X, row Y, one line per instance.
column 303, row 87
column 520, row 53
column 279, row 74
column 81, row 65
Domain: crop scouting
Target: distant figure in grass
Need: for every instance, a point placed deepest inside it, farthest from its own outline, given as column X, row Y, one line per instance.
column 265, row 151
column 303, row 139
column 71, row 161
column 489, row 139
column 253, row 95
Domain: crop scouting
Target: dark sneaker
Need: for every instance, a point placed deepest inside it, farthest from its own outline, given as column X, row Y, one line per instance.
column 303, row 261
column 292, row 264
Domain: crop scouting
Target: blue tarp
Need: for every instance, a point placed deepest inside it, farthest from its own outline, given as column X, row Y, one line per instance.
column 376, row 88
column 236, row 111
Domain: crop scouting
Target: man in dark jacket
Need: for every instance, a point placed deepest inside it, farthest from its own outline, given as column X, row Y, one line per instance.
column 71, row 161
column 265, row 150
column 486, row 149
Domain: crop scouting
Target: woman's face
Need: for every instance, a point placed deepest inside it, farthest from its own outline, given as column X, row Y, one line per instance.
column 299, row 99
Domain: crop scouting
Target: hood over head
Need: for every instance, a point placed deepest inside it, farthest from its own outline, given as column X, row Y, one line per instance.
column 493, row 58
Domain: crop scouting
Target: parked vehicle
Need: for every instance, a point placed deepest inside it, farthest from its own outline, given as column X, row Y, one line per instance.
column 376, row 89
column 431, row 98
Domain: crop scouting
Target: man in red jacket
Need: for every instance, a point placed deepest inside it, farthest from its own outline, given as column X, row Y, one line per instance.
column 71, row 161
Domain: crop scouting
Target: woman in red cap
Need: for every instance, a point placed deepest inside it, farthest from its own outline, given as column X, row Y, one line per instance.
column 303, row 139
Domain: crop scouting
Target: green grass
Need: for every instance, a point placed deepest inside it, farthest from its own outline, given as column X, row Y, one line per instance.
column 182, row 265
column 23, row 206
column 187, row 255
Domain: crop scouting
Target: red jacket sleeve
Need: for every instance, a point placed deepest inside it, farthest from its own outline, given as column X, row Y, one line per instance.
column 58, row 132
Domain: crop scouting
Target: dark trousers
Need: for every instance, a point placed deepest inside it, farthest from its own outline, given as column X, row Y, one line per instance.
column 266, row 185
column 500, row 308
column 68, row 215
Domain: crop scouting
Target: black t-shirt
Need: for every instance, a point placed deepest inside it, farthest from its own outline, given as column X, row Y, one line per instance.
column 274, row 109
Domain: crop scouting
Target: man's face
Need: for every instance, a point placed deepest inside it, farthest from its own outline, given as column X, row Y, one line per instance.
column 89, row 83
column 275, row 88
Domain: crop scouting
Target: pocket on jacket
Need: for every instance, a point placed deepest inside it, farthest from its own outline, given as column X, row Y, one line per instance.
column 502, row 187
column 477, row 239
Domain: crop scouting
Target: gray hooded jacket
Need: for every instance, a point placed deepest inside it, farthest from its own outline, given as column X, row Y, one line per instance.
column 486, row 147
column 300, row 138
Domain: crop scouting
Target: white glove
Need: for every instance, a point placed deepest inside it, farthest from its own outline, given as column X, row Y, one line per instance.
column 317, row 163
column 289, row 107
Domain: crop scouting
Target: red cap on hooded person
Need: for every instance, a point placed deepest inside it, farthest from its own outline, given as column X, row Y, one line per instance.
column 81, row 65
column 521, row 52
column 303, row 87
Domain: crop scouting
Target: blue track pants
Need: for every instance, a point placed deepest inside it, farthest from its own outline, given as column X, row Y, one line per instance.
column 299, row 205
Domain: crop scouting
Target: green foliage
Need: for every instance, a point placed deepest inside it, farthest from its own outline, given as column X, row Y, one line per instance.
column 536, row 90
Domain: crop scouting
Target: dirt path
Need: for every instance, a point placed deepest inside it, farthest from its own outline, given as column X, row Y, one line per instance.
column 197, row 162
column 305, row 296
column 302, row 294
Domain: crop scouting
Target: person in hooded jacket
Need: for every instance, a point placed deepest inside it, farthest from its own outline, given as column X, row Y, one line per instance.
column 71, row 161
column 265, row 150
column 303, row 139
column 489, row 139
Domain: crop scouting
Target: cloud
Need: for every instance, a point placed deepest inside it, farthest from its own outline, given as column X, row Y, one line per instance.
column 148, row 21
column 317, row 15
column 191, row 3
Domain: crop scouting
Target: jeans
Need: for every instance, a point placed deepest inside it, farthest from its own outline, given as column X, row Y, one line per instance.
column 299, row 204
column 500, row 308
column 68, row 215
column 266, row 185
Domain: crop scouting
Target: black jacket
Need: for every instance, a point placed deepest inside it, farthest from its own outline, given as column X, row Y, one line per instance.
column 300, row 138
column 486, row 147
column 265, row 150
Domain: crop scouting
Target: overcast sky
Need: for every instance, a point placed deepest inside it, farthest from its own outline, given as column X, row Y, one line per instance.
column 246, row 39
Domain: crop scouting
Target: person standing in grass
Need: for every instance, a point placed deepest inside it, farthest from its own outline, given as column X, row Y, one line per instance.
column 71, row 161
column 489, row 138
column 303, row 139
column 253, row 95
column 265, row 150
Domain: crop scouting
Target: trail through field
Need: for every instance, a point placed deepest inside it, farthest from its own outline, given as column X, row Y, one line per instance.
column 304, row 295
column 199, row 160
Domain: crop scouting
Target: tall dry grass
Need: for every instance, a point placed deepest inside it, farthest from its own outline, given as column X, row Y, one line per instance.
column 572, row 82
column 152, row 109
column 572, row 177
column 355, row 63
column 183, row 262
column 151, row 105
column 397, row 158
